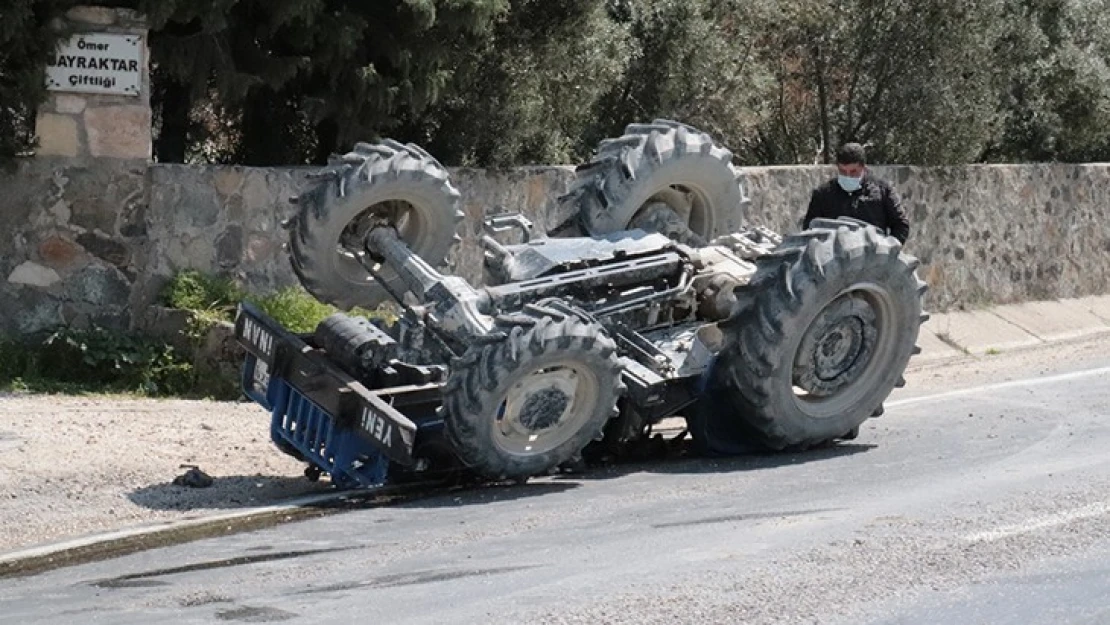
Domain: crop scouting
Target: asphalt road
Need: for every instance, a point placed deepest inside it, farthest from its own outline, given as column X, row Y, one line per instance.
column 973, row 500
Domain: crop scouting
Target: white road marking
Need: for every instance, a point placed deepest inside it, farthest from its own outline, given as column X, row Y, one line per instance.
column 1032, row 525
column 1000, row 386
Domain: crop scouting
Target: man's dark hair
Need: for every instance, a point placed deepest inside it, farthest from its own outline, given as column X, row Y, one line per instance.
column 850, row 154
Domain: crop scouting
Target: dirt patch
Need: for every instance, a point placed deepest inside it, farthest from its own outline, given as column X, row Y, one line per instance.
column 75, row 466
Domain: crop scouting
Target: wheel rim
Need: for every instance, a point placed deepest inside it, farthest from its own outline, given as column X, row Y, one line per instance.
column 400, row 214
column 545, row 409
column 845, row 352
column 690, row 204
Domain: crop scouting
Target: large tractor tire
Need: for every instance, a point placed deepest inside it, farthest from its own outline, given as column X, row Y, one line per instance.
column 660, row 177
column 388, row 183
column 532, row 396
column 817, row 341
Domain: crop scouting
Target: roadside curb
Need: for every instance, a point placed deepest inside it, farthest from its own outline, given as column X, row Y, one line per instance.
column 1008, row 328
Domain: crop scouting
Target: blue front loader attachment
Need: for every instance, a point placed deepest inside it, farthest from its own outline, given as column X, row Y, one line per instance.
column 320, row 414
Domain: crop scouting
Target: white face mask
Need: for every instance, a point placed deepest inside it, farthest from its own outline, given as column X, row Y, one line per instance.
column 849, row 184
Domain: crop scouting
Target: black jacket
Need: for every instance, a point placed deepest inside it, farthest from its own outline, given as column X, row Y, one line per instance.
column 876, row 202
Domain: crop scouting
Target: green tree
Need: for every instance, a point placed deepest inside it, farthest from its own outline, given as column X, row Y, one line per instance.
column 913, row 79
column 526, row 93
column 694, row 61
column 293, row 80
column 1056, row 99
column 26, row 42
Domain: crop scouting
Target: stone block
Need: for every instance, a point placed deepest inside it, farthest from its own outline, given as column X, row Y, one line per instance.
column 58, row 253
column 96, row 194
column 105, row 249
column 57, row 135
column 229, row 247
column 97, row 16
column 100, row 286
column 25, row 311
column 69, row 104
column 166, row 324
column 33, row 274
column 228, row 180
column 261, row 248
column 119, row 131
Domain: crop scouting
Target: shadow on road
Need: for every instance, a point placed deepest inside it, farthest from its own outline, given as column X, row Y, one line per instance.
column 235, row 492
column 682, row 461
column 679, row 465
column 489, row 494
column 229, row 493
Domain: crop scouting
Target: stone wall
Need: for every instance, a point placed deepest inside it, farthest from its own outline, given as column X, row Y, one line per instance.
column 227, row 220
column 73, row 245
column 95, row 242
column 986, row 234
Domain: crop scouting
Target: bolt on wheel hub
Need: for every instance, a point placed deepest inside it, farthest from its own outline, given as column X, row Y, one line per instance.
column 837, row 347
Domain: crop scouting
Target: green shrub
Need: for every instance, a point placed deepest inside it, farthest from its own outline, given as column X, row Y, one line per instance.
column 195, row 291
column 16, row 360
column 103, row 358
column 98, row 360
column 212, row 299
column 294, row 309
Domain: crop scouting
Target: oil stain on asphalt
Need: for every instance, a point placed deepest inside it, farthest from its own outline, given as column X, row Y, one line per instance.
column 144, row 579
column 750, row 516
column 247, row 614
column 416, row 578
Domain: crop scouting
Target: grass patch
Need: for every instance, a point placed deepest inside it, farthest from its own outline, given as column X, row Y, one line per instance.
column 211, row 299
column 98, row 361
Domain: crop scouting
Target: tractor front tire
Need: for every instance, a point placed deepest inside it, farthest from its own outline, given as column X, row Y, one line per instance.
column 384, row 184
column 532, row 396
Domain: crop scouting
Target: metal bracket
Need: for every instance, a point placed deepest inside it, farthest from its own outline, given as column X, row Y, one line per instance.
column 508, row 221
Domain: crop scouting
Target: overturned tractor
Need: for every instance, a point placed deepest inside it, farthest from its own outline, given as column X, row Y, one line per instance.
column 653, row 301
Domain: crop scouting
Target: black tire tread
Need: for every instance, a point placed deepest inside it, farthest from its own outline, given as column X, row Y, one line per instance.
column 473, row 390
column 383, row 168
column 606, row 190
column 783, row 284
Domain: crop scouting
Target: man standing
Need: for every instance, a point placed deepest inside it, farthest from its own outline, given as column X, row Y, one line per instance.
column 856, row 193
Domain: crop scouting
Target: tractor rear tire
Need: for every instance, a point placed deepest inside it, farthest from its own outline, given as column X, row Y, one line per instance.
column 388, row 183
column 664, row 162
column 817, row 341
column 532, row 396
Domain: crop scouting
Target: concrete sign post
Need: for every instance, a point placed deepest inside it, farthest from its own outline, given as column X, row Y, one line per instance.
column 98, row 83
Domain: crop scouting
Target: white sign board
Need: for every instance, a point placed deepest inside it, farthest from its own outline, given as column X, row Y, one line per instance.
column 98, row 63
